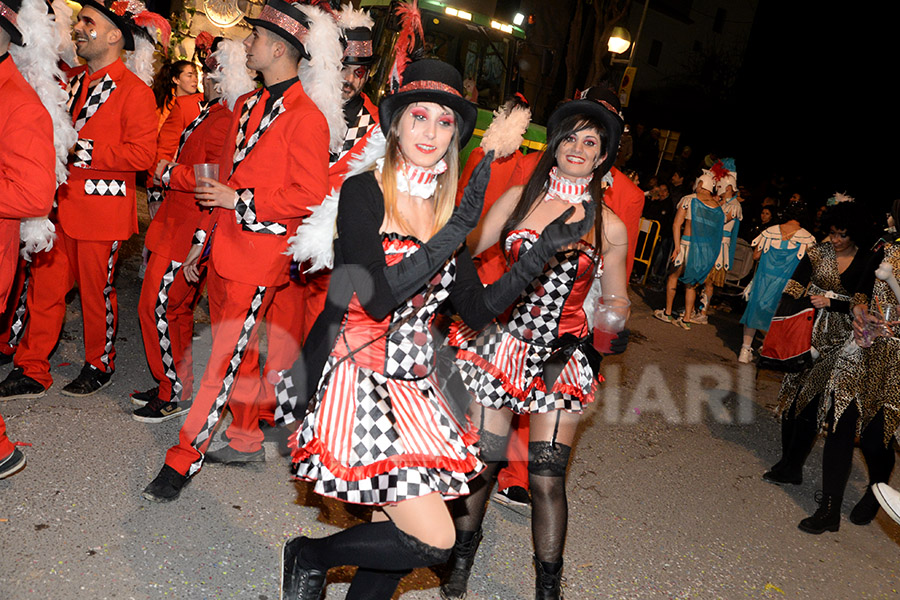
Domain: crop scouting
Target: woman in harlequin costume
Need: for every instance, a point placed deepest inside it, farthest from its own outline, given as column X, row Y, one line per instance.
column 779, row 249
column 539, row 361
column 863, row 397
column 380, row 431
column 827, row 276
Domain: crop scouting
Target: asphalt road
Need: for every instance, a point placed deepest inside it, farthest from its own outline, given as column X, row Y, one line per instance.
column 665, row 494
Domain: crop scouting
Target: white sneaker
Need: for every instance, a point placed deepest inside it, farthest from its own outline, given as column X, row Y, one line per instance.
column 700, row 319
column 746, row 355
column 889, row 499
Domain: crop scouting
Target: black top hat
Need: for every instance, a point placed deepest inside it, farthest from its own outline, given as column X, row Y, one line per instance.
column 121, row 13
column 430, row 80
column 9, row 16
column 598, row 103
column 358, row 49
column 285, row 20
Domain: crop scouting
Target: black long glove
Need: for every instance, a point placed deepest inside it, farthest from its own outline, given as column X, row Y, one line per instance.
column 408, row 275
column 620, row 342
column 557, row 235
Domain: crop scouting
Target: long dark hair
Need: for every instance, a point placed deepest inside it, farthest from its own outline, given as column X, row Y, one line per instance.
column 163, row 86
column 541, row 175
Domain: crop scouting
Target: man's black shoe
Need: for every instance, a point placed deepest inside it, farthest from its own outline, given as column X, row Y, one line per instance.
column 142, row 398
column 297, row 582
column 166, row 487
column 229, row 456
column 89, row 381
column 18, row 385
column 12, row 464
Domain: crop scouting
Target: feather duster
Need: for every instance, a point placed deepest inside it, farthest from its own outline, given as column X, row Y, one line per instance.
column 314, row 241
column 37, row 235
column 63, row 22
column 410, row 27
column 37, row 61
column 321, row 74
column 232, row 78
column 506, row 131
column 353, row 19
column 140, row 61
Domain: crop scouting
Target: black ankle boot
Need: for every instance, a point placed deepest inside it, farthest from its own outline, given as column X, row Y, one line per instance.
column 866, row 509
column 779, row 476
column 548, row 584
column 460, row 565
column 826, row 518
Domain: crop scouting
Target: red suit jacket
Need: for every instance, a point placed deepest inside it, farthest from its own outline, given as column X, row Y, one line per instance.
column 27, row 165
column 184, row 110
column 283, row 173
column 337, row 171
column 171, row 232
column 116, row 125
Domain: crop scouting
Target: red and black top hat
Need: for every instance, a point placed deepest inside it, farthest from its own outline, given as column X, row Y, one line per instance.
column 9, row 16
column 359, row 49
column 431, row 80
column 285, row 20
column 131, row 16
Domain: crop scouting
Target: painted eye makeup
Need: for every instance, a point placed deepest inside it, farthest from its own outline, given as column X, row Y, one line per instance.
column 447, row 121
column 418, row 113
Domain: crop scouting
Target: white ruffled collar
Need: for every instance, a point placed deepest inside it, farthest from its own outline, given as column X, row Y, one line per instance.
column 416, row 180
column 573, row 191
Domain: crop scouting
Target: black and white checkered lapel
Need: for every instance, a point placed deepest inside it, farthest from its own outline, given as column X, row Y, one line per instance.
column 244, row 144
column 355, row 132
column 97, row 96
column 73, row 89
column 191, row 127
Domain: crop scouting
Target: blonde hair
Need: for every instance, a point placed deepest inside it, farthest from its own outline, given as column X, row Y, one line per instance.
column 444, row 193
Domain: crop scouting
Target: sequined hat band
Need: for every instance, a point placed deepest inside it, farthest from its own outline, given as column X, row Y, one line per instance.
column 285, row 22
column 358, row 49
column 422, row 84
column 9, row 14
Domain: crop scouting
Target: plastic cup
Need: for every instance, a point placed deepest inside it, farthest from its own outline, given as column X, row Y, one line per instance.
column 610, row 315
column 209, row 170
column 890, row 325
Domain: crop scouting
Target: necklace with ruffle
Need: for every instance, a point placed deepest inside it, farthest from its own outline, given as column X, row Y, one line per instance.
column 416, row 180
column 573, row 191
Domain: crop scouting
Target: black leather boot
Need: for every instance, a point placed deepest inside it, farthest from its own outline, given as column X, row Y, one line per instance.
column 460, row 565
column 548, row 583
column 866, row 509
column 826, row 518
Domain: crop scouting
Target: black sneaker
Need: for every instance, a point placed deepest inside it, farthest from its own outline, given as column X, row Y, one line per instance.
column 5, row 358
column 18, row 385
column 142, row 398
column 166, row 487
column 157, row 411
column 227, row 455
column 89, row 381
column 13, row 463
column 514, row 495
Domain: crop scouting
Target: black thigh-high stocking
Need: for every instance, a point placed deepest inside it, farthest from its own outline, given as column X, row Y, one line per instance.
column 368, row 583
column 468, row 511
column 547, row 463
column 837, row 458
column 879, row 456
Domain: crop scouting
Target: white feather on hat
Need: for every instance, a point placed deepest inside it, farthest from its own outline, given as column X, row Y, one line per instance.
column 140, row 61
column 314, row 241
column 231, row 77
column 321, row 74
column 349, row 18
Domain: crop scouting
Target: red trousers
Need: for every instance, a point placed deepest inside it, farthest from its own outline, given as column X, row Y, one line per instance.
column 166, row 314
column 6, row 446
column 315, row 291
column 15, row 315
column 231, row 376
column 285, row 321
column 516, row 472
column 91, row 265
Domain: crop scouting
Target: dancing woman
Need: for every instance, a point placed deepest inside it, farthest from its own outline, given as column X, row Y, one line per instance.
column 539, row 362
column 381, row 432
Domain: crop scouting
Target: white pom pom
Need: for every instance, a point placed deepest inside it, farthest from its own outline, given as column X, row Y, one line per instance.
column 506, row 131
column 37, row 235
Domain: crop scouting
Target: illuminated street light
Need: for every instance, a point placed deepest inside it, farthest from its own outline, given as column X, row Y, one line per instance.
column 518, row 19
column 619, row 40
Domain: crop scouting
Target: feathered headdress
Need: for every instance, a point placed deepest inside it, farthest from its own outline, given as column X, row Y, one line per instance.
column 725, row 173
column 505, row 133
column 231, row 76
column 321, row 74
column 410, row 27
column 350, row 18
column 839, row 198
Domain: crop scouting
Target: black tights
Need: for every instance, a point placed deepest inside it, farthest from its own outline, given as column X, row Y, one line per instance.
column 798, row 435
column 837, row 459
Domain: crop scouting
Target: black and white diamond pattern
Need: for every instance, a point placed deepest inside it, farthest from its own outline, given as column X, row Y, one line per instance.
column 285, row 399
column 374, row 437
column 243, row 144
column 155, row 194
column 162, row 330
column 73, row 89
column 167, row 174
column 355, row 133
column 190, row 129
column 84, row 153
column 215, row 412
column 98, row 95
column 110, row 315
column 199, row 237
column 410, row 349
column 20, row 316
column 535, row 317
column 104, row 187
column 245, row 213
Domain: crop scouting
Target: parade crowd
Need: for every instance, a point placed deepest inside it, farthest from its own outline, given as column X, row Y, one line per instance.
column 428, row 324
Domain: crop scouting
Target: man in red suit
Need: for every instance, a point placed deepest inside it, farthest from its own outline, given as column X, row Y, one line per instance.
column 271, row 181
column 166, row 306
column 114, row 114
column 27, row 181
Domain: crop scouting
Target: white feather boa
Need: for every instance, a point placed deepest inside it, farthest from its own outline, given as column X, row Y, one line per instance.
column 505, row 133
column 63, row 23
column 353, row 19
column 321, row 74
column 314, row 241
column 232, row 78
column 37, row 235
column 140, row 60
